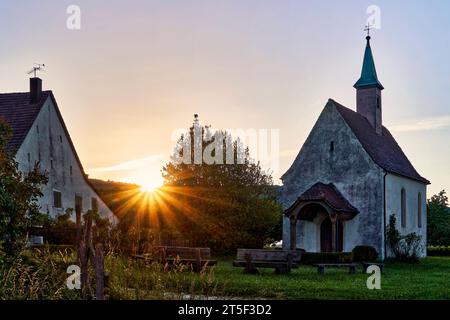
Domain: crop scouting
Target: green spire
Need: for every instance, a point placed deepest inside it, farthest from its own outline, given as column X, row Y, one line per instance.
column 368, row 73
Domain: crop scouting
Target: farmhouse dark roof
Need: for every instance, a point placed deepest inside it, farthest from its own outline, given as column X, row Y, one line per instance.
column 383, row 149
column 326, row 193
column 19, row 113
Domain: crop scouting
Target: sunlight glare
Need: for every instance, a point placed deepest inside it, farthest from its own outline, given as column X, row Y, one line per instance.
column 150, row 187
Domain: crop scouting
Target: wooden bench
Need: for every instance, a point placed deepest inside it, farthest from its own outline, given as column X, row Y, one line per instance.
column 280, row 260
column 197, row 257
column 351, row 267
column 365, row 265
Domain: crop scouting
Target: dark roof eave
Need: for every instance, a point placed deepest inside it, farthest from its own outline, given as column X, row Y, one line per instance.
column 421, row 180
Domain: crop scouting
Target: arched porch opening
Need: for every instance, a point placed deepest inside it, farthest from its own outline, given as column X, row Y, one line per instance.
column 322, row 200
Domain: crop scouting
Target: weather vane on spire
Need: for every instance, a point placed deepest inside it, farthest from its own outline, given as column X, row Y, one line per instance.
column 367, row 28
column 37, row 67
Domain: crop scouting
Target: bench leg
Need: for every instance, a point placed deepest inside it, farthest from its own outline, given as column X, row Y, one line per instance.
column 281, row 270
column 251, row 270
column 321, row 269
column 352, row 270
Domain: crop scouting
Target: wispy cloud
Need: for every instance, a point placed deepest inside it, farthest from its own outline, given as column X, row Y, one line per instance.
column 421, row 124
column 129, row 165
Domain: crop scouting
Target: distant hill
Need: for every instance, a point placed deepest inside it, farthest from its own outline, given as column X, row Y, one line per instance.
column 119, row 196
column 103, row 186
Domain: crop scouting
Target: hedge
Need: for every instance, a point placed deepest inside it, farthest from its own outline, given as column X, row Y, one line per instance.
column 443, row 251
column 326, row 257
column 364, row 253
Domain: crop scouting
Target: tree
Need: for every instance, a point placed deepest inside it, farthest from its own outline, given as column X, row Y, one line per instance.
column 225, row 204
column 18, row 195
column 438, row 224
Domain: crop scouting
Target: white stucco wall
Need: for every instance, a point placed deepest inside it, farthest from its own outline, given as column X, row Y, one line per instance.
column 394, row 185
column 48, row 144
column 350, row 168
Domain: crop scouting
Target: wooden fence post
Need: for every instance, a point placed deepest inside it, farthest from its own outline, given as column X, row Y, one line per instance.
column 87, row 251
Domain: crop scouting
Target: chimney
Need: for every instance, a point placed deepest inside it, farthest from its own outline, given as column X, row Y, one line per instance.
column 35, row 89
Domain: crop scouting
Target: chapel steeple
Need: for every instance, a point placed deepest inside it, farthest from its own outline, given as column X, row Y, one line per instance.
column 368, row 90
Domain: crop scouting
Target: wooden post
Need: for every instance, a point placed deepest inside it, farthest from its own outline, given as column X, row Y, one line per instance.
column 293, row 234
column 79, row 229
column 86, row 251
column 198, row 260
column 333, row 232
column 99, row 273
column 83, row 255
column 163, row 255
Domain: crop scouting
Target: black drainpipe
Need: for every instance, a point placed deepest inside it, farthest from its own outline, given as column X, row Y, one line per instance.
column 384, row 206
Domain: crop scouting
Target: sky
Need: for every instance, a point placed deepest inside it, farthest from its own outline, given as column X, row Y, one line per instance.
column 137, row 71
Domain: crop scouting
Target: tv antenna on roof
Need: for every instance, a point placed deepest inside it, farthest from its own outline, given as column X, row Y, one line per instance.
column 37, row 67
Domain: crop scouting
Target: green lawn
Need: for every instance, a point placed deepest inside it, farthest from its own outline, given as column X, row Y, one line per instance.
column 429, row 279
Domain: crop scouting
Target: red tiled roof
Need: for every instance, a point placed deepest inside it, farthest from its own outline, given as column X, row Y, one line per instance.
column 383, row 149
column 328, row 194
column 19, row 113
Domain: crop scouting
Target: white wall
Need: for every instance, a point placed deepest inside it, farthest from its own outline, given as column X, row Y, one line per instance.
column 394, row 185
column 47, row 143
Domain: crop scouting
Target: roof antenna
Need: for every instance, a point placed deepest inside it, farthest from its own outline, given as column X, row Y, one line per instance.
column 37, row 67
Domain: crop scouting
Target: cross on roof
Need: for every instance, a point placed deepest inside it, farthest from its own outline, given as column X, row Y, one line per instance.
column 368, row 28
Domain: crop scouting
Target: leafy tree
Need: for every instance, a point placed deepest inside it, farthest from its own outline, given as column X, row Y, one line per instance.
column 18, row 195
column 222, row 205
column 438, row 224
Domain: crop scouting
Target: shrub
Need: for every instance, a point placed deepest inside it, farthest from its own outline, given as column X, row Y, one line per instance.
column 405, row 248
column 441, row 251
column 364, row 253
column 326, row 257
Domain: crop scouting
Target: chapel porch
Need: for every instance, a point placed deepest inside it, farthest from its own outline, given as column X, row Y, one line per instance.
column 328, row 210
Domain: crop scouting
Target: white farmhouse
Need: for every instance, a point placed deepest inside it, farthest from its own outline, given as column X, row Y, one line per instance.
column 41, row 137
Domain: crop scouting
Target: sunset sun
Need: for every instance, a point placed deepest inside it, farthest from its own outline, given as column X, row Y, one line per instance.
column 150, row 186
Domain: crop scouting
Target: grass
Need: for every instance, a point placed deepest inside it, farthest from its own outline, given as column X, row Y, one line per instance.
column 41, row 275
column 428, row 279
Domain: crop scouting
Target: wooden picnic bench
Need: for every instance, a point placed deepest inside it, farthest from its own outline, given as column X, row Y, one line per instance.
column 280, row 260
column 365, row 265
column 321, row 266
column 195, row 256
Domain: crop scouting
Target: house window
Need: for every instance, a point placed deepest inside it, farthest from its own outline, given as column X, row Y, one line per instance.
column 29, row 157
column 331, row 146
column 378, row 103
column 71, row 170
column 403, row 208
column 37, row 129
column 60, row 139
column 94, row 204
column 419, row 210
column 57, row 202
column 78, row 203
